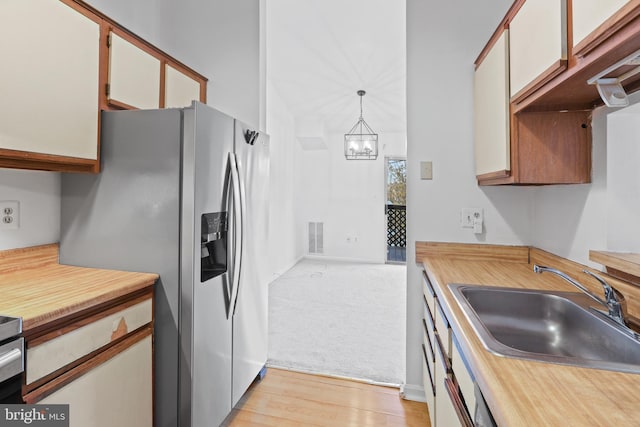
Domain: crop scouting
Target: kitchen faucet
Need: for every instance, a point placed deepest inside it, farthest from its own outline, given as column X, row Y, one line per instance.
column 614, row 300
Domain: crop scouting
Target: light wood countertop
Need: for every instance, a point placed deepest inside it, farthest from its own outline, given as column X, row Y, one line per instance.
column 35, row 287
column 521, row 392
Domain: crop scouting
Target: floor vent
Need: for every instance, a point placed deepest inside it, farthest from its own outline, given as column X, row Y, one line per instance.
column 316, row 237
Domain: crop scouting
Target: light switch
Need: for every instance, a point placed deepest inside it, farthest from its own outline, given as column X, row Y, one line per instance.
column 426, row 170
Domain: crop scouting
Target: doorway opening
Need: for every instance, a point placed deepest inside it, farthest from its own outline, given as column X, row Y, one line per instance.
column 396, row 208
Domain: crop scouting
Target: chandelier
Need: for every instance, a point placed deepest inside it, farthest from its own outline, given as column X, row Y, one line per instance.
column 361, row 143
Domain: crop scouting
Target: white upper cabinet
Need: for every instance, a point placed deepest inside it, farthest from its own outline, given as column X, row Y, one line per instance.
column 538, row 40
column 180, row 89
column 49, row 79
column 134, row 75
column 589, row 14
column 491, row 109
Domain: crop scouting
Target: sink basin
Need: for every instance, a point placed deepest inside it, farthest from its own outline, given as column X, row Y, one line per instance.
column 554, row 327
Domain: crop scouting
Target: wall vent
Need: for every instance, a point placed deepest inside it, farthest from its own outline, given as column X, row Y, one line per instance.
column 316, row 237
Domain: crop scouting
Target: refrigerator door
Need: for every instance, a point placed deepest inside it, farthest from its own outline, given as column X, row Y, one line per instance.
column 206, row 331
column 250, row 311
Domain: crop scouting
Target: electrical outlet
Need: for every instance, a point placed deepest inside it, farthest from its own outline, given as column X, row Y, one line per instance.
column 10, row 214
column 468, row 215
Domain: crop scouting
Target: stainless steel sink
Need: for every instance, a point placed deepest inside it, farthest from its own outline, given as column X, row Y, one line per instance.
column 554, row 327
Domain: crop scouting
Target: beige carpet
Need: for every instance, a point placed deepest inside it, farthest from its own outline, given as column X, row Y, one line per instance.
column 340, row 318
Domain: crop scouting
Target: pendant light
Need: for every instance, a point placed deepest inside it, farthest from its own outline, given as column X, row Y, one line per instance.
column 361, row 143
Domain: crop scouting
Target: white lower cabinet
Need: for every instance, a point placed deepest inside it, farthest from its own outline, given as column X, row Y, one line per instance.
column 115, row 392
column 449, row 385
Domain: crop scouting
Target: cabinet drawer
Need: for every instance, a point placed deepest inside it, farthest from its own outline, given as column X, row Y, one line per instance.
column 117, row 391
column 428, row 374
column 443, row 330
column 428, row 350
column 445, row 415
column 456, row 413
column 429, row 294
column 463, row 377
column 429, row 326
column 46, row 357
column 429, row 389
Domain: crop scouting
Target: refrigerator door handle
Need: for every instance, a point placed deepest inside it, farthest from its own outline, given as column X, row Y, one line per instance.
column 237, row 233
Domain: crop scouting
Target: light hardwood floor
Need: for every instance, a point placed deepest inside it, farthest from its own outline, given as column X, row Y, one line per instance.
column 286, row 398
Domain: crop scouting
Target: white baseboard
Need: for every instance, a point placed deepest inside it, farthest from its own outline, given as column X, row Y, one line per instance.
column 340, row 377
column 413, row 392
column 341, row 259
column 279, row 273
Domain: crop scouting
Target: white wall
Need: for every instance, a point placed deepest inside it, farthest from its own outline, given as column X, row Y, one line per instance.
column 39, row 197
column 285, row 246
column 441, row 51
column 348, row 196
column 571, row 219
column 623, row 180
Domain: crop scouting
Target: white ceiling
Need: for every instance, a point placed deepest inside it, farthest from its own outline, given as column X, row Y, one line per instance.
column 321, row 52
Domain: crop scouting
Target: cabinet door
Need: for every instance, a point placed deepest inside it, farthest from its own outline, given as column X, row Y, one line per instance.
column 491, row 110
column 49, row 79
column 180, row 89
column 589, row 14
column 117, row 392
column 538, row 43
column 134, row 75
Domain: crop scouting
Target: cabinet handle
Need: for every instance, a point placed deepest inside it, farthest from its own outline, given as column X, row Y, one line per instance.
column 458, row 406
column 443, row 359
column 426, row 304
column 426, row 280
column 424, row 354
column 9, row 357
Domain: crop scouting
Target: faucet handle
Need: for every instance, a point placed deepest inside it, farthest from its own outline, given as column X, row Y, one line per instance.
column 614, row 298
column 610, row 293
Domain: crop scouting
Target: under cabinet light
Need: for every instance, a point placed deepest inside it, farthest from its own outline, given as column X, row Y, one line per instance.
column 610, row 88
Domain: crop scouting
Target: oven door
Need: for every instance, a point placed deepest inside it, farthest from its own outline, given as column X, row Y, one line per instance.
column 11, row 371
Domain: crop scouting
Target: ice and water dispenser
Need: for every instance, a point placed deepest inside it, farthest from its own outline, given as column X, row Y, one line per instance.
column 213, row 258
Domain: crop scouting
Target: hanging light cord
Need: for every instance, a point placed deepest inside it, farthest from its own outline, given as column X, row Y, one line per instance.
column 361, row 123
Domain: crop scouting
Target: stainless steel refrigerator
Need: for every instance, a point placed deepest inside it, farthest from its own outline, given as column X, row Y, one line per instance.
column 184, row 193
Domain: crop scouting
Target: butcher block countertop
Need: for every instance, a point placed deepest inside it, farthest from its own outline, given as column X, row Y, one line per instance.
column 34, row 286
column 521, row 392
